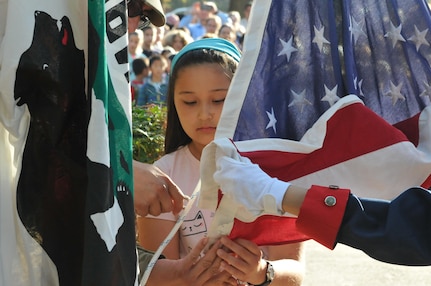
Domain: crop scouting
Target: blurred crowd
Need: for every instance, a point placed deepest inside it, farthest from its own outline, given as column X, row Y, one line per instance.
column 152, row 48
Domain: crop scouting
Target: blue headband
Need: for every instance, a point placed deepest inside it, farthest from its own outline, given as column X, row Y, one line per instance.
column 217, row 44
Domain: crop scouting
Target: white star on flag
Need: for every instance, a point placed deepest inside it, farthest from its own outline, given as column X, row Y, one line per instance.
column 355, row 29
column 299, row 100
column 288, row 49
column 419, row 38
column 331, row 95
column 272, row 120
column 319, row 38
column 395, row 34
column 427, row 91
column 395, row 93
column 358, row 85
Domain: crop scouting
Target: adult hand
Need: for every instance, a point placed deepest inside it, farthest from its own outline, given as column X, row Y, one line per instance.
column 155, row 192
column 243, row 259
column 249, row 186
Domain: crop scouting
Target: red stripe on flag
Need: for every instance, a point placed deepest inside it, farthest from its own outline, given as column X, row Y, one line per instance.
column 268, row 230
column 351, row 132
column 410, row 127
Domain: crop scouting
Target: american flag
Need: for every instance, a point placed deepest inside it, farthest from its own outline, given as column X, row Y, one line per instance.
column 66, row 194
column 333, row 92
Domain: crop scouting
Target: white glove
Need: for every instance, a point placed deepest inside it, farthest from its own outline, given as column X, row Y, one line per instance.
column 250, row 187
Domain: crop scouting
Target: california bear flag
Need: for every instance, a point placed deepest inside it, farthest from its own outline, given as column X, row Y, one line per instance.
column 66, row 200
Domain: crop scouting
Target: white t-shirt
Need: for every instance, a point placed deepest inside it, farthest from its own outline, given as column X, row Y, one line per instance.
column 183, row 168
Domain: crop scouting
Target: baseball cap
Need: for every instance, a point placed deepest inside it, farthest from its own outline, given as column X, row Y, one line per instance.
column 157, row 16
column 209, row 6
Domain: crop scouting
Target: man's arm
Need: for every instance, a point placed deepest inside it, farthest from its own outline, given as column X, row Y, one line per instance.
column 155, row 192
column 396, row 231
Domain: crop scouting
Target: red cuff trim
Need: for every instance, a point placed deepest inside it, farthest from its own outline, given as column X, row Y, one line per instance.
column 322, row 212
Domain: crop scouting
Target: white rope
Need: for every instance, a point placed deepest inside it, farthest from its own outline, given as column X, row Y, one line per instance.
column 171, row 234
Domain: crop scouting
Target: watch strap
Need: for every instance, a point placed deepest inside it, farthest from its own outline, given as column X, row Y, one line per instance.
column 269, row 274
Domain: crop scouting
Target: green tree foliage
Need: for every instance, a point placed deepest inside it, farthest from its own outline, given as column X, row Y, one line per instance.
column 148, row 126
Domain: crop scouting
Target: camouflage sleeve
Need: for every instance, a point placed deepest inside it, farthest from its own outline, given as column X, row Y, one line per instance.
column 144, row 257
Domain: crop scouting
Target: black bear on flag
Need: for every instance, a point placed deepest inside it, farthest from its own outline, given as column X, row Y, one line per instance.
column 52, row 187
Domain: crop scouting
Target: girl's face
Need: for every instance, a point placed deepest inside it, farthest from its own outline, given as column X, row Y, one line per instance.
column 199, row 95
column 227, row 34
column 133, row 43
column 211, row 26
column 177, row 43
column 148, row 36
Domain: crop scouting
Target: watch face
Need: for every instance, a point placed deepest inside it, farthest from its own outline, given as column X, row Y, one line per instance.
column 270, row 272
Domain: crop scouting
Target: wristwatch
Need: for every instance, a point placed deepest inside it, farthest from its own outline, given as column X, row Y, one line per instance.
column 269, row 274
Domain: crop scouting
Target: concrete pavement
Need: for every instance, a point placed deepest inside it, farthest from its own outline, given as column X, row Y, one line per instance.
column 346, row 266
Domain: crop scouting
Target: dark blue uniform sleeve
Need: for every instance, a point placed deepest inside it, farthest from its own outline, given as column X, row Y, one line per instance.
column 397, row 231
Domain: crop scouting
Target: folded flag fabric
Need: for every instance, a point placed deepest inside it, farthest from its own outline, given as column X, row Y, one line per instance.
column 332, row 92
column 66, row 193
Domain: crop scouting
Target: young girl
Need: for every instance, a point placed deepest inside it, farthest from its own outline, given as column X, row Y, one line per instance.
column 200, row 77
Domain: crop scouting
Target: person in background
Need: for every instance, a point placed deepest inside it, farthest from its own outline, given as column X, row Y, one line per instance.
column 212, row 7
column 201, row 75
column 136, row 39
column 141, row 71
column 212, row 24
column 246, row 14
column 168, row 53
column 228, row 32
column 177, row 39
column 236, row 18
column 160, row 34
column 192, row 17
column 141, row 13
column 155, row 88
column 197, row 30
column 149, row 38
column 134, row 49
column 173, row 21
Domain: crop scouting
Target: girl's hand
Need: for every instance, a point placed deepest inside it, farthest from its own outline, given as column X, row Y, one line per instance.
column 205, row 270
column 243, row 260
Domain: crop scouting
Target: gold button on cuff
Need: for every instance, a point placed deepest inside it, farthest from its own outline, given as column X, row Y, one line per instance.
column 330, row 201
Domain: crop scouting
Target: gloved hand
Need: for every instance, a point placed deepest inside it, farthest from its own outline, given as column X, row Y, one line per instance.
column 250, row 187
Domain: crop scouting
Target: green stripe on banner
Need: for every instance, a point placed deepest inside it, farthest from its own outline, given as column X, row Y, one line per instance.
column 113, row 262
